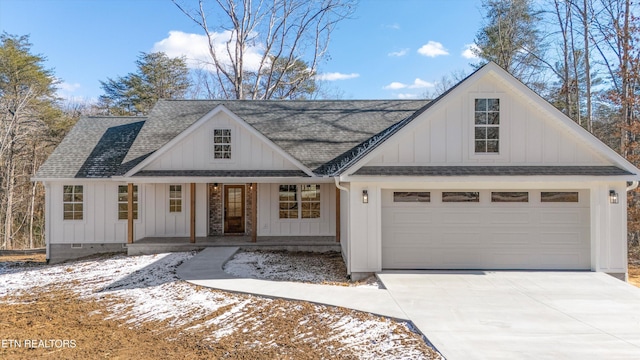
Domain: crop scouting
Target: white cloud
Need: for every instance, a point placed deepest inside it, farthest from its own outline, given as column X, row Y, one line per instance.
column 468, row 52
column 395, row 86
column 417, row 84
column 400, row 53
column 333, row 76
column 67, row 87
column 393, row 26
column 407, row 96
column 433, row 49
column 420, row 84
column 195, row 48
column 68, row 91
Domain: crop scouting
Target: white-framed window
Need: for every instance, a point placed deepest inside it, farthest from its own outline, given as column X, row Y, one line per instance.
column 123, row 202
column 310, row 201
column 288, row 201
column 72, row 202
column 559, row 197
column 299, row 201
column 222, row 143
column 175, row 198
column 487, row 125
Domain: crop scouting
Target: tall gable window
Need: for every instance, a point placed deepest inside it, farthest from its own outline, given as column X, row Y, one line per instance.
column 222, row 144
column 123, row 202
column 487, row 126
column 72, row 202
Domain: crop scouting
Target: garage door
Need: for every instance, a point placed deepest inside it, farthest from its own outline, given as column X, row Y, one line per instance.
column 524, row 229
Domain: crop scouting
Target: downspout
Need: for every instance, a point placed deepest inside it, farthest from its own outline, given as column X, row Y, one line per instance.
column 342, row 188
column 47, row 220
column 633, row 186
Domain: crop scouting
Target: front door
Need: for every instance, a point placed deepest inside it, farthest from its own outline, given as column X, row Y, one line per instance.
column 234, row 209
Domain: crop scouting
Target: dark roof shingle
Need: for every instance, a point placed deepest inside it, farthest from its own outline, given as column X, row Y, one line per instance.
column 491, row 171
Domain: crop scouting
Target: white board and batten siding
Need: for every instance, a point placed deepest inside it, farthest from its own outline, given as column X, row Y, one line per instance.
column 100, row 223
column 194, row 151
column 158, row 221
column 445, row 137
column 270, row 224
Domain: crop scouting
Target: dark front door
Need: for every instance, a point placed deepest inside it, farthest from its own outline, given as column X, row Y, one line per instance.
column 234, row 209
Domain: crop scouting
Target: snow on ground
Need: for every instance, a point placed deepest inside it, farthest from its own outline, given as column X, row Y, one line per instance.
column 146, row 288
column 317, row 268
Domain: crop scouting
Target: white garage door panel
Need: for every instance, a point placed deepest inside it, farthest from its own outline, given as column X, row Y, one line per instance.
column 485, row 235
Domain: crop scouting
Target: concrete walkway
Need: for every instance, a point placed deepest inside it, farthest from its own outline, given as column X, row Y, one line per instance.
column 474, row 314
column 205, row 269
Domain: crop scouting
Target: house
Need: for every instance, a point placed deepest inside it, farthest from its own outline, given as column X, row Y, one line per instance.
column 487, row 176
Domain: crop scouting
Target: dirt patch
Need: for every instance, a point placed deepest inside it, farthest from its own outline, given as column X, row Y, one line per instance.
column 22, row 259
column 634, row 274
column 283, row 330
column 135, row 307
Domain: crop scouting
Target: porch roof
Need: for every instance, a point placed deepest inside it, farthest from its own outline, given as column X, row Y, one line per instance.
column 222, row 173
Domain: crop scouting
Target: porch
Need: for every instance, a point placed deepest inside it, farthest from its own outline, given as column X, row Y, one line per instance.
column 156, row 245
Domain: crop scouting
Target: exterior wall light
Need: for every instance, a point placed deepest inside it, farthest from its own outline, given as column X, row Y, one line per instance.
column 365, row 197
column 613, row 197
column 215, row 186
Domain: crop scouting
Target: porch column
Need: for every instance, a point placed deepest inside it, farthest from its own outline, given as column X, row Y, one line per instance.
column 192, row 195
column 254, row 212
column 337, row 215
column 130, row 213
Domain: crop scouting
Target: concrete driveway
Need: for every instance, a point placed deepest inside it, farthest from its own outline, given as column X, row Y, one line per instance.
column 521, row 315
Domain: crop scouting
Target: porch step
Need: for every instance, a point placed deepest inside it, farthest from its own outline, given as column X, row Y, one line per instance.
column 159, row 248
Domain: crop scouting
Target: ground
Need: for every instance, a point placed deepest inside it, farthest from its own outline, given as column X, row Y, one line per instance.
column 124, row 307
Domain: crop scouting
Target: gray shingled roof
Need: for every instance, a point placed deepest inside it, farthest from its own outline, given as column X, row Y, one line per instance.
column 77, row 154
column 490, row 170
column 313, row 132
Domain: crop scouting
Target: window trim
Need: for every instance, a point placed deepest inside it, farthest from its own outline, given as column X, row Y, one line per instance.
column 136, row 202
column 181, row 199
column 317, row 200
column 503, row 128
column 73, row 202
column 230, row 144
column 299, row 202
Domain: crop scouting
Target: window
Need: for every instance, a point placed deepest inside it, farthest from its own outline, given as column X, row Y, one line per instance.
column 559, row 196
column 509, row 197
column 410, row 196
column 72, row 202
column 487, row 125
column 123, row 202
column 222, row 144
column 175, row 198
column 304, row 205
column 460, row 196
column 310, row 201
column 288, row 201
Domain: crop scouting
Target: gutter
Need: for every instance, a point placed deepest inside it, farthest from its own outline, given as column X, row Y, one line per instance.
column 348, row 263
column 633, row 186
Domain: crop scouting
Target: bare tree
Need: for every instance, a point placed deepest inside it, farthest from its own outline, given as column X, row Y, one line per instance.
column 256, row 46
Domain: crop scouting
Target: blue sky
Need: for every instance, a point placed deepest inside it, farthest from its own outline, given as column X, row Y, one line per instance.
column 389, row 49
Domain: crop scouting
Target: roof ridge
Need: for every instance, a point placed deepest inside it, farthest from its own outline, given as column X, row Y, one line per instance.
column 289, row 101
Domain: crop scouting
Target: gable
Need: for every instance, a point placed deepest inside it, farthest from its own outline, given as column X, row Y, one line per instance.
column 195, row 150
column 529, row 134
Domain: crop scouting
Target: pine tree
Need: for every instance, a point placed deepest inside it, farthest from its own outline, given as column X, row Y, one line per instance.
column 157, row 77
